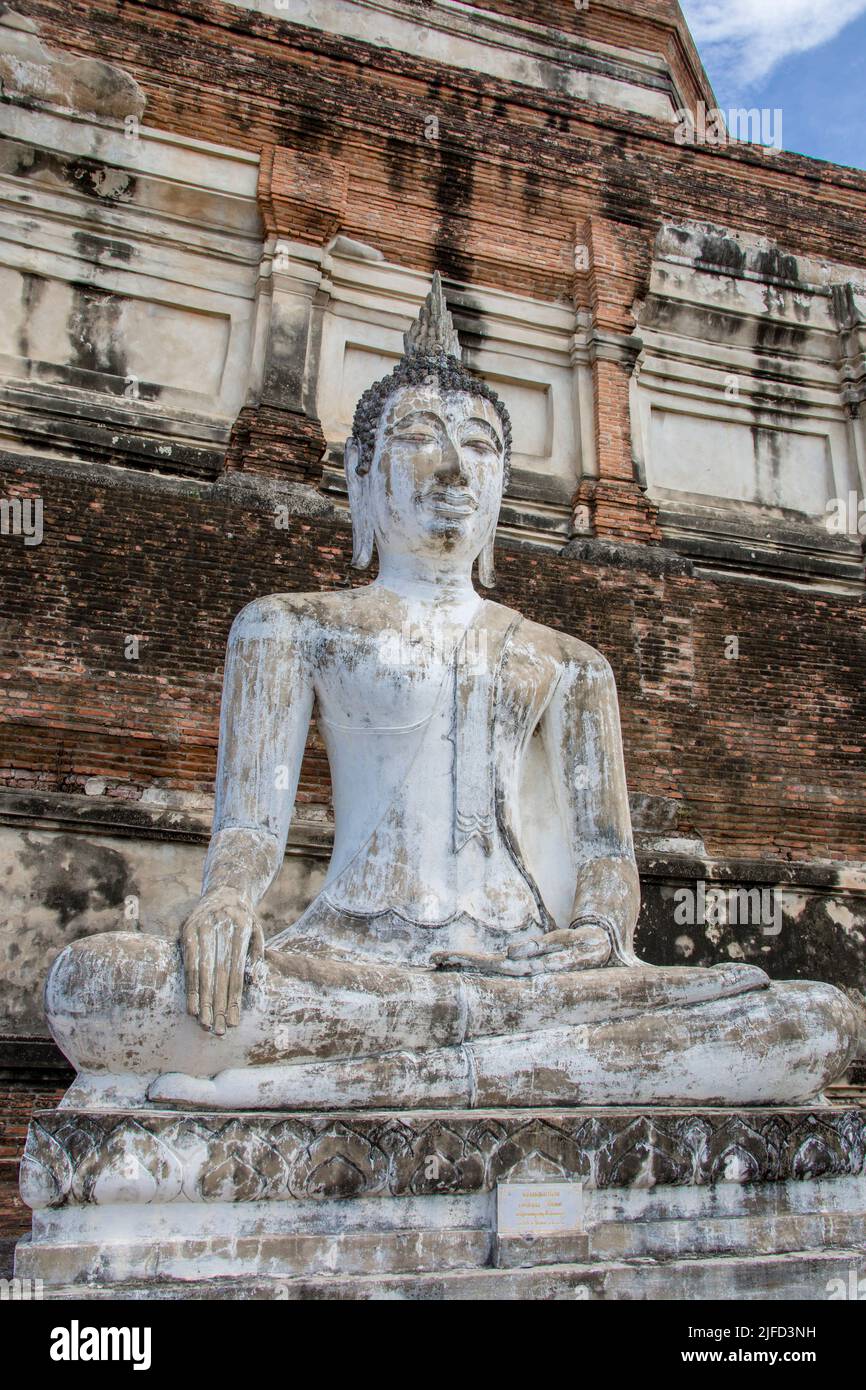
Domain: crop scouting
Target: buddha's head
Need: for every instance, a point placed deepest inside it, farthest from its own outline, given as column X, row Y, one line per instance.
column 427, row 461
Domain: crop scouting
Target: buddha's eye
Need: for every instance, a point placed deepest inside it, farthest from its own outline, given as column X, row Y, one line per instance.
column 481, row 442
column 415, row 438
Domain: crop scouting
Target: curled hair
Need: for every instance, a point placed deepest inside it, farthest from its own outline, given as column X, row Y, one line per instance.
column 414, row 369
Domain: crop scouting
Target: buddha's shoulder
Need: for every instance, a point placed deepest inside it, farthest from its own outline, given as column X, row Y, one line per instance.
column 291, row 613
column 562, row 649
column 274, row 614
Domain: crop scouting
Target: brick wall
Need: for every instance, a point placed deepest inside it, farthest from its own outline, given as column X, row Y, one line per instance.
column 513, row 171
column 766, row 750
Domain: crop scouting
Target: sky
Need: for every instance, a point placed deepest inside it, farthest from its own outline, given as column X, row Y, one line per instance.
column 806, row 57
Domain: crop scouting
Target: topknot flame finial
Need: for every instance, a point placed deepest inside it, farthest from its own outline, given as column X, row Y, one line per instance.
column 433, row 331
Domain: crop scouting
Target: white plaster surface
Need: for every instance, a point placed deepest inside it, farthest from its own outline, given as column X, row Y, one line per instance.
column 167, row 244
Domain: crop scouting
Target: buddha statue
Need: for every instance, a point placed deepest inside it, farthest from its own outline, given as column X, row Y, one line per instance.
column 472, row 945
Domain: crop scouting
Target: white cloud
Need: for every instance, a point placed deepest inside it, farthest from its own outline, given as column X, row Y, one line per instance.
column 746, row 39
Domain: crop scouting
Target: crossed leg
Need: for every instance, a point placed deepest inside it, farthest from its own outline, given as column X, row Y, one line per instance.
column 321, row 1033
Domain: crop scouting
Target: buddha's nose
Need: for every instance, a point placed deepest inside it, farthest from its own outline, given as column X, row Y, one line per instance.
column 450, row 469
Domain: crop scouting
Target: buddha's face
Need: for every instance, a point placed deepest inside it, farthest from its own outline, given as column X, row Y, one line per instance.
column 436, row 478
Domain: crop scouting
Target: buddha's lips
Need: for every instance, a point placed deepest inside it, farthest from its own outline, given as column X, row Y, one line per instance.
column 454, row 503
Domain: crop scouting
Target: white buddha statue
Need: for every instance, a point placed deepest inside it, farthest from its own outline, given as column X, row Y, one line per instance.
column 472, row 943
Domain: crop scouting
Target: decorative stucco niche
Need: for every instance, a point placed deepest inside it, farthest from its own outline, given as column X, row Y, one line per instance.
column 745, row 402
column 129, row 259
column 342, row 312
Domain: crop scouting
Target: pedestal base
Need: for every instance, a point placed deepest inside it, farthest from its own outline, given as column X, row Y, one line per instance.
column 763, row 1203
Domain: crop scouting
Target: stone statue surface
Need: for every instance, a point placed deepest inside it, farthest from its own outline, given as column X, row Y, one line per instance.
column 473, row 942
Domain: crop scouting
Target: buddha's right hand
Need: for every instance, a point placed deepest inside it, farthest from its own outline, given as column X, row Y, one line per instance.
column 221, row 933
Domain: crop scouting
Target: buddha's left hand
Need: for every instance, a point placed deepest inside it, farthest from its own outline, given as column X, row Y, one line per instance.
column 574, row 948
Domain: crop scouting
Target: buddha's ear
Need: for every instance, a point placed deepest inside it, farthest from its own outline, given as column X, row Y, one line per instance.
column 359, row 505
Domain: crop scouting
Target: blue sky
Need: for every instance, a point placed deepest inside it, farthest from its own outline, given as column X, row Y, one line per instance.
column 807, row 57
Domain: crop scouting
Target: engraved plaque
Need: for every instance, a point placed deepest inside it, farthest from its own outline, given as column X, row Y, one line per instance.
column 539, row 1208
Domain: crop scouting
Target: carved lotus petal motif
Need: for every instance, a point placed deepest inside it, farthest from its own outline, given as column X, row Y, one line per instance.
column 439, row 1138
column 643, row 1155
column 130, row 1165
column 290, row 1140
column 435, row 1174
column 290, row 1137
column 45, row 1174
column 124, row 1178
column 590, row 1134
column 544, row 1143
column 441, row 1161
column 852, row 1133
column 736, row 1153
column 396, row 1139
column 243, row 1165
column 486, row 1137
column 82, row 1136
column 90, row 1157
column 537, row 1167
column 774, row 1133
column 694, row 1135
column 190, row 1141
column 340, row 1163
column 232, row 1180
column 336, row 1177
column 816, row 1151
column 736, row 1164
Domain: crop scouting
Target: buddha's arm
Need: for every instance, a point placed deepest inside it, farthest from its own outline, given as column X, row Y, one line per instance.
column 265, row 717
column 581, row 731
column 266, row 707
